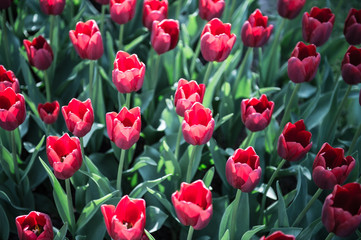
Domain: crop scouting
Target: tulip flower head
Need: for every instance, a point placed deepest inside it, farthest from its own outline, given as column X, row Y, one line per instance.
column 8, row 79
column 12, row 109
column 351, row 66
column 35, row 225
column 209, row 9
column 122, row 11
column 52, row 7
column 165, row 35
column 290, row 8
column 39, row 53
column 352, row 28
column 278, row 235
column 49, row 111
column 154, row 10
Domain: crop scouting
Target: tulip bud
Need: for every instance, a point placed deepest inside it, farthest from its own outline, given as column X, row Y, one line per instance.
column 39, row 53
column 35, row 225
column 49, row 112
column 278, row 235
column 352, row 29
column 122, row 11
column 52, row 7
column 351, row 66
column 290, row 8
column 165, row 35
column 8, row 79
column 209, row 9
column 12, row 109
column 154, row 10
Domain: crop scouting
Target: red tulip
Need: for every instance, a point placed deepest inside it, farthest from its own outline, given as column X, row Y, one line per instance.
column 303, row 63
column 128, row 73
column 278, row 235
column 126, row 221
column 331, row 167
column 193, row 204
column 341, row 211
column 8, row 79
column 79, row 116
column 256, row 113
column 352, row 29
column 87, row 40
column 49, row 112
column 351, row 66
column 198, row 125
column 209, row 9
column 255, row 32
column 317, row 25
column 12, row 109
column 124, row 128
column 103, row 2
column 165, row 35
column 187, row 94
column 39, row 53
column 5, row 4
column 217, row 40
column 122, row 11
column 290, row 8
column 52, row 7
column 154, row 10
column 294, row 142
column 242, row 169
column 34, row 226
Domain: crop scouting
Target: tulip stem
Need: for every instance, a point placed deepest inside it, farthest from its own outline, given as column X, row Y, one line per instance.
column 241, row 69
column 156, row 70
column 15, row 159
column 5, row 37
column 51, row 30
column 190, row 164
column 179, row 9
column 179, row 138
column 127, row 100
column 280, row 165
column 208, row 73
column 248, row 140
column 233, row 229
column 91, row 76
column 309, row 204
column 354, row 140
column 194, row 59
column 121, row 31
column 329, row 236
column 82, row 152
column 70, row 206
column 104, row 7
column 286, row 115
column 47, row 86
column 120, row 171
column 190, row 233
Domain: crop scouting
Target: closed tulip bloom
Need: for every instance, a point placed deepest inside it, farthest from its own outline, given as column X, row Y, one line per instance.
column 217, row 40
column 87, row 40
column 39, row 53
column 209, row 9
column 165, row 35
column 64, row 155
column 351, row 66
column 341, row 211
column 193, row 204
column 49, row 111
column 278, row 235
column 290, row 8
column 126, row 221
column 154, row 10
column 331, row 167
column 124, row 127
column 317, row 25
column 103, row 2
column 303, row 63
column 122, row 11
column 52, row 7
column 5, row 4
column 198, row 125
column 243, row 170
column 255, row 32
column 34, row 226
column 12, row 109
column 256, row 113
column 187, row 94
column 8, row 79
column 128, row 73
column 294, row 141
column 78, row 116
column 352, row 28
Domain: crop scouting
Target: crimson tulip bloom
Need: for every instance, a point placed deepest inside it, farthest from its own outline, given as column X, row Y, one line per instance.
column 290, row 8
column 352, row 29
column 187, row 94
column 351, row 66
column 35, row 225
column 256, row 113
column 5, row 4
column 154, row 10
column 49, row 111
column 128, row 73
column 165, row 35
column 209, row 9
column 198, row 125
column 243, row 170
column 12, row 109
column 217, row 40
column 303, row 63
column 39, row 53
column 294, row 141
column 52, row 7
column 125, row 221
column 193, row 204
column 103, row 2
column 8, row 79
column 87, row 40
column 124, row 128
column 78, row 116
column 341, row 211
column 278, row 235
column 317, row 25
column 122, row 11
column 331, row 167
column 255, row 32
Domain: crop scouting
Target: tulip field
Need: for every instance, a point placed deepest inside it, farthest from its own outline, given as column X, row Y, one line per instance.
column 180, row 119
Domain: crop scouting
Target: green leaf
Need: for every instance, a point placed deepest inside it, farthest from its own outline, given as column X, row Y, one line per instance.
column 219, row 160
column 155, row 218
column 170, row 161
column 60, row 235
column 149, row 235
column 212, row 84
column 282, row 213
column 300, row 200
column 185, row 160
column 250, row 233
column 226, row 235
column 163, row 200
column 4, row 226
column 141, row 188
column 32, row 159
column 314, row 227
column 5, row 197
column 208, row 177
column 223, row 120
column 142, row 162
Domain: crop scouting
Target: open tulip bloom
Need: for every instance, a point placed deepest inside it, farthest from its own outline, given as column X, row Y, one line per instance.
column 290, row 8
column 39, row 53
column 209, row 9
column 52, row 7
column 12, row 109
column 278, row 235
column 49, row 112
column 122, row 11
column 8, row 79
column 154, row 10
column 165, row 35
column 352, row 28
column 35, row 225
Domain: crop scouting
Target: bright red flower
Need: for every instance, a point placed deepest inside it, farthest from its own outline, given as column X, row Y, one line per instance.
column 126, row 221
column 255, row 32
column 165, row 35
column 52, row 7
column 122, row 11
column 5, row 4
column 209, row 9
column 8, row 79
column 34, row 226
column 341, row 211
column 331, row 167
column 49, row 111
column 12, row 109
column 351, row 66
column 278, row 235
column 290, row 8
column 217, row 40
column 87, row 40
column 193, row 204
column 39, row 53
column 154, row 10
column 78, row 116
column 352, row 29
